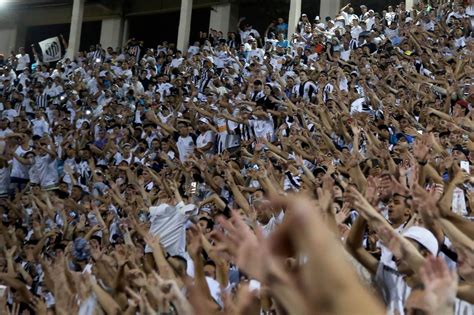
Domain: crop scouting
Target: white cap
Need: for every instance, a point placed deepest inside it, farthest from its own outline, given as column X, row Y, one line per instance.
column 424, row 237
column 204, row 120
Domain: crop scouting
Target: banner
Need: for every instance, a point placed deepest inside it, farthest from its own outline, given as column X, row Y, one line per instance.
column 51, row 49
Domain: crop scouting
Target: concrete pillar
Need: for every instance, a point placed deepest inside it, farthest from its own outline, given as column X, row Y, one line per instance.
column 126, row 32
column 111, row 33
column 76, row 28
column 294, row 16
column 8, row 40
column 184, row 29
column 224, row 17
column 329, row 8
column 409, row 4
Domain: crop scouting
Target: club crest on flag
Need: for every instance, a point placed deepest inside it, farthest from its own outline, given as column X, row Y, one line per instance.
column 51, row 49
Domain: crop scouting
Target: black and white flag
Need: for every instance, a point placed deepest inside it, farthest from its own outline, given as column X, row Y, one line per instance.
column 51, row 49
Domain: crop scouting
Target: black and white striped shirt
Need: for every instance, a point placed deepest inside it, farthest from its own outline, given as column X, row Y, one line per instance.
column 97, row 55
column 206, row 77
column 41, row 101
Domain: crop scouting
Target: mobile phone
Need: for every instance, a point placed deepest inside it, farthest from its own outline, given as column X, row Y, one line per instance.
column 465, row 166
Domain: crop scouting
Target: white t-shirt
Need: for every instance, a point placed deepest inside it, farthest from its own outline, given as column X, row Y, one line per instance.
column 192, row 50
column 23, row 62
column 169, row 223
column 204, row 138
column 176, row 62
column 40, row 127
column 460, row 42
column 355, row 31
column 46, row 170
column 5, row 132
column 185, row 147
column 18, row 169
column 393, row 287
column 27, row 105
column 274, row 222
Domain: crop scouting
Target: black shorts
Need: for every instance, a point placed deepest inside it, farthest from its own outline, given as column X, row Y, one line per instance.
column 18, row 180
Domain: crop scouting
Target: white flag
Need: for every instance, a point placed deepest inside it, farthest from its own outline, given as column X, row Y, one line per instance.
column 51, row 49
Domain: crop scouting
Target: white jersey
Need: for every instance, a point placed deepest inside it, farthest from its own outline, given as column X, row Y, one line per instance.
column 45, row 168
column 274, row 222
column 19, row 169
column 23, row 61
column 204, row 139
column 40, row 127
column 393, row 287
column 395, row 292
column 169, row 223
column 463, row 308
column 185, row 147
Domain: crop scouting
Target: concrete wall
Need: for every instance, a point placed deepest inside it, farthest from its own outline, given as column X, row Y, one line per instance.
column 7, row 40
column 224, row 17
column 111, row 34
column 8, row 30
column 329, row 8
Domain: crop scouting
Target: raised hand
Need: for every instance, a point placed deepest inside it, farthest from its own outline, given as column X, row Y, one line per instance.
column 372, row 190
column 325, row 197
column 153, row 241
column 425, row 202
column 39, row 306
column 195, row 242
column 440, row 288
column 461, row 177
column 391, row 240
column 10, row 252
column 240, row 245
column 342, row 215
column 358, row 201
column 422, row 147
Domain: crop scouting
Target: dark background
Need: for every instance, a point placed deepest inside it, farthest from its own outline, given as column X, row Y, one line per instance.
column 154, row 29
column 90, row 34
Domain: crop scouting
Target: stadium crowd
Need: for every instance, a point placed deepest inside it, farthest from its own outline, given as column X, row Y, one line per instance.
column 326, row 173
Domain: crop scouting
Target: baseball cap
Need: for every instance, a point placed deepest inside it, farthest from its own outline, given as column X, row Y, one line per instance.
column 204, row 120
column 424, row 237
column 460, row 148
